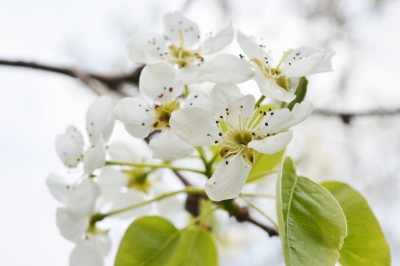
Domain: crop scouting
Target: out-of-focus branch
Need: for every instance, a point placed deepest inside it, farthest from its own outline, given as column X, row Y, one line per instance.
column 348, row 116
column 95, row 81
column 92, row 80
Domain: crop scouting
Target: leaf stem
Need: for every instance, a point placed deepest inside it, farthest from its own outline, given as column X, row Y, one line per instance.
column 258, row 195
column 163, row 165
column 260, row 175
column 251, row 204
column 190, row 190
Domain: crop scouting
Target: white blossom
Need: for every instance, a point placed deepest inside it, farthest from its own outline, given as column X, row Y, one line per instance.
column 239, row 131
column 73, row 220
column 273, row 78
column 127, row 186
column 99, row 126
column 185, row 48
column 159, row 83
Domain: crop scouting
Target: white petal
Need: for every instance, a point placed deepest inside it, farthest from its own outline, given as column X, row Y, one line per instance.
column 111, row 178
column 228, row 96
column 89, row 252
column 95, row 157
column 190, row 74
column 131, row 197
column 82, row 199
column 312, row 61
column 195, row 126
column 123, row 152
column 219, row 41
column 69, row 147
column 200, row 99
column 251, row 48
column 100, row 119
column 177, row 26
column 136, row 116
column 146, row 48
column 167, row 146
column 160, row 82
column 169, row 206
column 270, row 88
column 58, row 188
column 228, row 179
column 283, row 119
column 273, row 144
column 69, row 228
column 226, row 68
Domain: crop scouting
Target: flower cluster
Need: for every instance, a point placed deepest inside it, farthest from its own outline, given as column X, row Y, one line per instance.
column 228, row 129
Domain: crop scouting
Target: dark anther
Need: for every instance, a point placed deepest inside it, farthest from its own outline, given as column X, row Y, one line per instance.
column 272, row 113
column 268, row 135
column 226, row 109
column 226, row 162
column 269, row 109
column 208, row 135
column 265, row 113
column 253, row 133
column 241, row 56
column 221, row 117
column 266, row 123
column 171, row 89
column 195, row 96
column 220, row 134
column 216, row 141
column 142, row 124
column 217, row 122
column 241, row 106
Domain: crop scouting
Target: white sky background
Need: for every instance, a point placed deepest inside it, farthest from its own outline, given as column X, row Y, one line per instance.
column 36, row 106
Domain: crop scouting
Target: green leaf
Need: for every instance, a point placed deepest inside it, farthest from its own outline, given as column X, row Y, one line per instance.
column 300, row 92
column 154, row 241
column 365, row 243
column 312, row 225
column 195, row 248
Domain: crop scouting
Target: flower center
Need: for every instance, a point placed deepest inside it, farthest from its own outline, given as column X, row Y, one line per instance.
column 137, row 178
column 163, row 113
column 235, row 143
column 182, row 56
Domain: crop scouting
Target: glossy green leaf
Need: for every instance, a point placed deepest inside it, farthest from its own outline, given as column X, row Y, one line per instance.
column 312, row 225
column 365, row 243
column 154, row 241
column 195, row 248
column 300, row 92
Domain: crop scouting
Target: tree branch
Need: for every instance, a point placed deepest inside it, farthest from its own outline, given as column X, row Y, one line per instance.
column 348, row 116
column 114, row 81
column 90, row 79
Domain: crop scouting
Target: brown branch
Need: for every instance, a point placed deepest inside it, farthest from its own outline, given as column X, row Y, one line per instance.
column 90, row 79
column 348, row 116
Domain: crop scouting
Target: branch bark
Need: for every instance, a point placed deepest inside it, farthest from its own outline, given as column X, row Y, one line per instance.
column 113, row 82
column 90, row 79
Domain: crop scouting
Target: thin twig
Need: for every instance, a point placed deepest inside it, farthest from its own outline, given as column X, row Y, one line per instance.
column 111, row 81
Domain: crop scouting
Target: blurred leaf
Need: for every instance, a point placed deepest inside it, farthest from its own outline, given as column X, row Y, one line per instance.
column 312, row 225
column 365, row 243
column 196, row 248
column 154, row 241
column 300, row 92
column 149, row 240
column 266, row 162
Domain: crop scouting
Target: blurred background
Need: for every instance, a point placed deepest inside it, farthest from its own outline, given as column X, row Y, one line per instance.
column 353, row 136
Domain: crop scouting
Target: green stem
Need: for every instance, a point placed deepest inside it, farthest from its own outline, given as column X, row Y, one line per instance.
column 207, row 165
column 186, row 90
column 259, row 102
column 251, row 204
column 258, row 195
column 190, row 190
column 177, row 168
column 260, row 175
